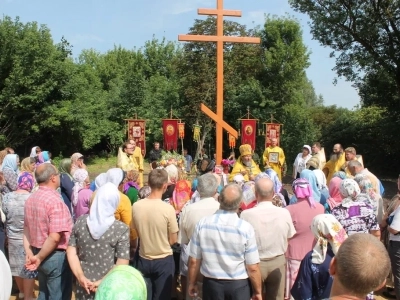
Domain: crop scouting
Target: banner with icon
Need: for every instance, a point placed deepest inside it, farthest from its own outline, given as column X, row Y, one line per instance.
column 170, row 132
column 249, row 130
column 273, row 131
column 137, row 132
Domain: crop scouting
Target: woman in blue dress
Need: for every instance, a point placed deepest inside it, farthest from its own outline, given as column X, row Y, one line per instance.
column 313, row 280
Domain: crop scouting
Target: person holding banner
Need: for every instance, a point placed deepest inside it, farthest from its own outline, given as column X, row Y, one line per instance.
column 274, row 157
column 137, row 154
column 245, row 165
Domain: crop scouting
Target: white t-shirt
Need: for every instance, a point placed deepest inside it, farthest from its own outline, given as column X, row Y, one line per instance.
column 395, row 225
column 300, row 163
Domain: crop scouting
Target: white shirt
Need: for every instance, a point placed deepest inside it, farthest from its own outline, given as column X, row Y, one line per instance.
column 300, row 163
column 191, row 214
column 273, row 227
column 395, row 225
column 225, row 244
column 321, row 178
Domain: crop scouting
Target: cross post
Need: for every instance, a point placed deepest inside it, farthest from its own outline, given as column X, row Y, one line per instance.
column 220, row 39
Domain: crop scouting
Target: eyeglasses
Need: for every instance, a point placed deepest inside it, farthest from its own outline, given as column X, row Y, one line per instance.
column 130, row 148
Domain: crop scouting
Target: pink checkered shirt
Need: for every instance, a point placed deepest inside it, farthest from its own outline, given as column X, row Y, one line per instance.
column 45, row 213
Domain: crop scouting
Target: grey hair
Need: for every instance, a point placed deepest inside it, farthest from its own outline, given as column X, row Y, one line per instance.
column 354, row 163
column 230, row 202
column 262, row 191
column 44, row 173
column 207, row 185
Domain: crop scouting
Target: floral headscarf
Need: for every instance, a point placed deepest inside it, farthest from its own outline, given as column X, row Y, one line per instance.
column 302, row 189
column 79, row 176
column 365, row 185
column 26, row 182
column 326, row 229
column 334, row 192
column 351, row 192
column 172, row 171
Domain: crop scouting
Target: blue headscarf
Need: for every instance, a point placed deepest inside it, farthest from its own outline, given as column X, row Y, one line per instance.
column 310, row 177
column 45, row 155
column 312, row 180
column 10, row 162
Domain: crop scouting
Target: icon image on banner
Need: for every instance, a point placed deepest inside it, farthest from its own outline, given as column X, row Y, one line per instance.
column 136, row 131
column 249, row 129
column 170, row 130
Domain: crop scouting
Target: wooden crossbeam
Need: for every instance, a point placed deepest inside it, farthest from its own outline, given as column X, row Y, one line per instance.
column 218, row 120
column 214, row 38
column 216, row 12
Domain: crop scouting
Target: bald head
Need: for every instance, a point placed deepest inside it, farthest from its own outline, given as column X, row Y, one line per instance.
column 264, row 189
column 360, row 266
column 230, row 197
column 274, row 142
column 47, row 174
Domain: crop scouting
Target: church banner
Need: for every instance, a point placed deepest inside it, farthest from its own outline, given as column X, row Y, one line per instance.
column 249, row 130
column 137, row 132
column 273, row 131
column 170, row 131
column 232, row 141
column 181, row 130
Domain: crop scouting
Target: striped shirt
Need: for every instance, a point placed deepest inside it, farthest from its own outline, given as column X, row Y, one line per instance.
column 225, row 244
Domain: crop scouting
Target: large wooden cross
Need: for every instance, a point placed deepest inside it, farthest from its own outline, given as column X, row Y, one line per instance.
column 218, row 117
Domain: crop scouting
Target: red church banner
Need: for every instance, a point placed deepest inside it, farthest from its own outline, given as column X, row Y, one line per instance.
column 249, row 130
column 137, row 132
column 273, row 132
column 170, row 131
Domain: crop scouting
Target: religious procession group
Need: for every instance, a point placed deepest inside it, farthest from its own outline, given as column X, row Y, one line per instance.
column 233, row 232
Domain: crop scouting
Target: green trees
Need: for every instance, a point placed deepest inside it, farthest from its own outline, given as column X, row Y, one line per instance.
column 65, row 104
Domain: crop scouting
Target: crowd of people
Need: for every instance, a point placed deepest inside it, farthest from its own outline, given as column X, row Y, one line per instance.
column 233, row 232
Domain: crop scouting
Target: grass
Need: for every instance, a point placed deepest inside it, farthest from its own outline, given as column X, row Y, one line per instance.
column 95, row 166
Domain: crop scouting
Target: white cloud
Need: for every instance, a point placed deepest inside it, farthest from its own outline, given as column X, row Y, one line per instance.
column 79, row 38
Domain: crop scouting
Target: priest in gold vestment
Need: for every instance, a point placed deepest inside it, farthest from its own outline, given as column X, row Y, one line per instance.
column 125, row 159
column 245, row 165
column 274, row 157
column 335, row 163
column 137, row 154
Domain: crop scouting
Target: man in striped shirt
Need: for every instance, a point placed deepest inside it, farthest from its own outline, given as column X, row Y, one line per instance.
column 223, row 247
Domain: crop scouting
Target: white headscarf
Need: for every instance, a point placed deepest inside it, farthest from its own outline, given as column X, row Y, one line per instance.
column 33, row 152
column 5, row 278
column 101, row 215
column 172, row 171
column 79, row 176
column 115, row 176
column 100, row 180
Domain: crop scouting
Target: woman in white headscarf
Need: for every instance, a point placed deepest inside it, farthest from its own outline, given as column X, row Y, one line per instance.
column 100, row 180
column 123, row 212
column 98, row 236
column 301, row 161
column 313, row 280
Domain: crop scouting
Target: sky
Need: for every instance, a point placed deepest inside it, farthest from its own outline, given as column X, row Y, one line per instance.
column 101, row 24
